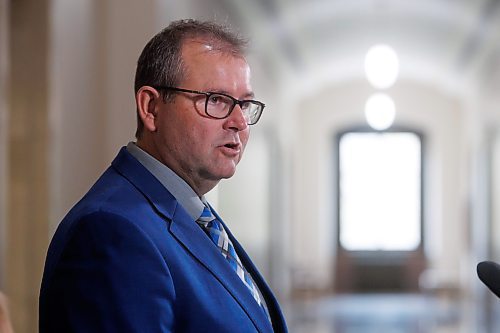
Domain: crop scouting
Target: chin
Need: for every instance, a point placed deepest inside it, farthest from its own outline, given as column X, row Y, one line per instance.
column 223, row 170
column 228, row 173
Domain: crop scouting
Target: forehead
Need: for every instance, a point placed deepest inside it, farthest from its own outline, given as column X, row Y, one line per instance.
column 209, row 50
column 210, row 43
column 210, row 63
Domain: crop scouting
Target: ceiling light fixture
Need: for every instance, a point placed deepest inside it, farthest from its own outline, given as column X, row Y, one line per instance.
column 381, row 66
column 380, row 111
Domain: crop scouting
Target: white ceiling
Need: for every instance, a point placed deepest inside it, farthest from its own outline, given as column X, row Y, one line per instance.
column 451, row 43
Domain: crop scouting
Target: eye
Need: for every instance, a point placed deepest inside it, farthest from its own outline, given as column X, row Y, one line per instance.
column 217, row 99
column 214, row 99
column 246, row 105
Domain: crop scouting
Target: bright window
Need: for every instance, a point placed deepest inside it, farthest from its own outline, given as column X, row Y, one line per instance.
column 380, row 191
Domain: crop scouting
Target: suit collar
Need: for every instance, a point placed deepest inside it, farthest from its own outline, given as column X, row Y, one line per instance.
column 179, row 188
column 187, row 232
column 145, row 182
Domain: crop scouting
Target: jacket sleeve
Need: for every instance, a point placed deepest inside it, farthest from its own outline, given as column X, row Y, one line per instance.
column 110, row 278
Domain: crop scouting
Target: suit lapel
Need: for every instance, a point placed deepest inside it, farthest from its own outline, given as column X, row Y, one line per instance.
column 277, row 318
column 190, row 235
column 278, row 321
column 195, row 240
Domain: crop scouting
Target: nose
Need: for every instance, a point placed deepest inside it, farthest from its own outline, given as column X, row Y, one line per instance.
column 236, row 120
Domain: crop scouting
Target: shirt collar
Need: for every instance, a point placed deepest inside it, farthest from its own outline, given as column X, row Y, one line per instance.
column 184, row 194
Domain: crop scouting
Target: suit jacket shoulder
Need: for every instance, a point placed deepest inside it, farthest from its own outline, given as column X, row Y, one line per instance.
column 128, row 257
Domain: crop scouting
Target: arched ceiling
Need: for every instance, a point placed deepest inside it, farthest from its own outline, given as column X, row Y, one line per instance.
column 450, row 43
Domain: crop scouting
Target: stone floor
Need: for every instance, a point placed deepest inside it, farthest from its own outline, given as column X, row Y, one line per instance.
column 380, row 313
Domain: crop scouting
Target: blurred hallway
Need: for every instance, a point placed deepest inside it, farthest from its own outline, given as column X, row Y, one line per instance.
column 358, row 228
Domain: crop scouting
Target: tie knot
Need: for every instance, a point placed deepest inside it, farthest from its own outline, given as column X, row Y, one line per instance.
column 206, row 216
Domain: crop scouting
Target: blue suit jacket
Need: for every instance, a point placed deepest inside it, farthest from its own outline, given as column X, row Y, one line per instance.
column 128, row 258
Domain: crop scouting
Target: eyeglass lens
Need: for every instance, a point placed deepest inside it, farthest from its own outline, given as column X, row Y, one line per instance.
column 219, row 106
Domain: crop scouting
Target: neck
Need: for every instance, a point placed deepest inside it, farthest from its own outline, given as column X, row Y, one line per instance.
column 199, row 187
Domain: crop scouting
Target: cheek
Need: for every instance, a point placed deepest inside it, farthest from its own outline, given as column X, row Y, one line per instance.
column 244, row 137
column 198, row 138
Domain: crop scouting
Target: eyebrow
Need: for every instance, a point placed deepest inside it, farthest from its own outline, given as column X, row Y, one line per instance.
column 249, row 95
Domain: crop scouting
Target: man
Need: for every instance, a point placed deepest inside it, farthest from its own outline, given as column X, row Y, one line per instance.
column 143, row 251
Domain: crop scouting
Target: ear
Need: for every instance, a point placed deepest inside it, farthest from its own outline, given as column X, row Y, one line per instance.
column 147, row 100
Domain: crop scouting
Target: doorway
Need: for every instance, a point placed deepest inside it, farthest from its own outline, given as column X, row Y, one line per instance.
column 379, row 193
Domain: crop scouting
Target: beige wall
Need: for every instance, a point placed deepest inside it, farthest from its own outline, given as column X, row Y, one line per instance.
column 27, row 156
column 495, row 191
column 334, row 109
column 92, row 112
column 4, row 62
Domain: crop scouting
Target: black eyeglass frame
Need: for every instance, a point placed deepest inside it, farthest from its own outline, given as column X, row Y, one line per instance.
column 210, row 93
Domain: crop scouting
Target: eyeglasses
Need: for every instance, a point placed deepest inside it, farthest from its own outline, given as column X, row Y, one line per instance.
column 220, row 106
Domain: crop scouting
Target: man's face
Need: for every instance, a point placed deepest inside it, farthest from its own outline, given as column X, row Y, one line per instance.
column 200, row 149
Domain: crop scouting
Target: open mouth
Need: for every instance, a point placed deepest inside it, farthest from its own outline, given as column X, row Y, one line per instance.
column 231, row 145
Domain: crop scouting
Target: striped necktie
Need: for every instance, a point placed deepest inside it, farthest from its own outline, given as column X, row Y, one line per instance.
column 218, row 235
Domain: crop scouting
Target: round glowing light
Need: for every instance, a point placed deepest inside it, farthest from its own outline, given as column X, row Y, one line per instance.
column 380, row 111
column 381, row 66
